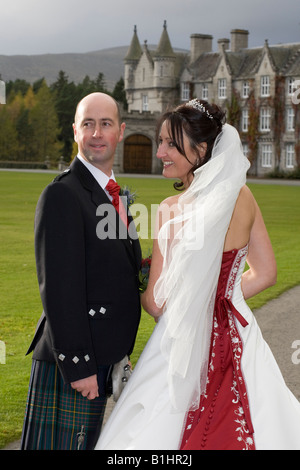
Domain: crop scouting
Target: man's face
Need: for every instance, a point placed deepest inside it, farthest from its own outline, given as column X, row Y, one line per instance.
column 97, row 130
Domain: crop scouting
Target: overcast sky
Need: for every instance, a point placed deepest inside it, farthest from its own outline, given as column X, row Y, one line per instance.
column 57, row 26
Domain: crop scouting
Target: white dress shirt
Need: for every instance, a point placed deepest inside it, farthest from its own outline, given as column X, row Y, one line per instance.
column 99, row 176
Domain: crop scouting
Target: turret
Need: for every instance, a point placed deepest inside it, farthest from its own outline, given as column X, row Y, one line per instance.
column 131, row 60
column 164, row 62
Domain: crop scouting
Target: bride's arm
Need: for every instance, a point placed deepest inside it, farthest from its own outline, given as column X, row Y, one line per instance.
column 167, row 210
column 262, row 272
column 147, row 298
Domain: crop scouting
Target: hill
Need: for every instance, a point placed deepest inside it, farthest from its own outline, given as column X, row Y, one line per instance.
column 75, row 65
column 109, row 61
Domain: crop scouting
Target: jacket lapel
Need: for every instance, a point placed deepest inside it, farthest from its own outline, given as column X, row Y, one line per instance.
column 98, row 197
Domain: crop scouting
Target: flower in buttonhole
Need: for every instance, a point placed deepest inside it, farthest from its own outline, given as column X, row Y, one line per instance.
column 129, row 194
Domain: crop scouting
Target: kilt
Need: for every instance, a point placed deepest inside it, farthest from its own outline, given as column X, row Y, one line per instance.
column 58, row 417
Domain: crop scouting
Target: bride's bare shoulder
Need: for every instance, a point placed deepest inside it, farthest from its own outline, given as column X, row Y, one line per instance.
column 246, row 200
column 170, row 201
column 245, row 208
column 167, row 210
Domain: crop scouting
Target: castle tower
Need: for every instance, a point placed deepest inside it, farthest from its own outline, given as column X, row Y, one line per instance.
column 164, row 62
column 131, row 60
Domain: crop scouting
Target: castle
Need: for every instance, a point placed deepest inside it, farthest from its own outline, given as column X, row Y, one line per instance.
column 255, row 85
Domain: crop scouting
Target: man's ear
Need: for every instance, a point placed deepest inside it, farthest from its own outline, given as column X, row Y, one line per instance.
column 75, row 133
column 122, row 130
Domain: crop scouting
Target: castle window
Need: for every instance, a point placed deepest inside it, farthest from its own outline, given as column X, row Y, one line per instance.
column 290, row 119
column 145, row 104
column 290, row 86
column 265, row 119
column 245, row 89
column 289, row 155
column 185, row 91
column 245, row 120
column 245, row 149
column 205, row 91
column 265, row 85
column 222, row 88
column 266, row 155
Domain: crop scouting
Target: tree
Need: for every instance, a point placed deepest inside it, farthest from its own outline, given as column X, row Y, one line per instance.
column 24, row 127
column 88, row 86
column 234, row 110
column 279, row 118
column 253, row 128
column 19, row 108
column 44, row 122
column 8, row 136
column 15, row 108
column 100, row 83
column 29, row 98
column 25, row 136
column 65, row 98
column 19, row 85
column 119, row 93
column 37, row 84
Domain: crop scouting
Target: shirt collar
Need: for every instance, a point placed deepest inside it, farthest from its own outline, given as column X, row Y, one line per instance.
column 99, row 176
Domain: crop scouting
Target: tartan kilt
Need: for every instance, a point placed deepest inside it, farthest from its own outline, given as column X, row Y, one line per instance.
column 58, row 417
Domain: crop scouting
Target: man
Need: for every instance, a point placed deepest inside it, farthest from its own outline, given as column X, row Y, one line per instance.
column 88, row 287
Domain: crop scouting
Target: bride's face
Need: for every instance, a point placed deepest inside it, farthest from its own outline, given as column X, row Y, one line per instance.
column 175, row 165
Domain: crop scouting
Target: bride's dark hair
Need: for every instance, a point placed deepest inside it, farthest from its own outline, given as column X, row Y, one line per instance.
column 200, row 122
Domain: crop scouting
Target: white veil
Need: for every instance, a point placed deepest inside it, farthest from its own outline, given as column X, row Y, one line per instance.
column 192, row 245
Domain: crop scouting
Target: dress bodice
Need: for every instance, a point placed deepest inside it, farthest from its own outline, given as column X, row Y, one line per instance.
column 232, row 267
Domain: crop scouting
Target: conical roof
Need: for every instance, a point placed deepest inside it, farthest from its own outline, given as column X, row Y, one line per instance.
column 135, row 50
column 164, row 48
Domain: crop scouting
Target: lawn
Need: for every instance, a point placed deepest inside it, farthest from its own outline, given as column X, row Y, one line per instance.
column 20, row 305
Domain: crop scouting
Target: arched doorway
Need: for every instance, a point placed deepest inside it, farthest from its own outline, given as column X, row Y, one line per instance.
column 137, row 154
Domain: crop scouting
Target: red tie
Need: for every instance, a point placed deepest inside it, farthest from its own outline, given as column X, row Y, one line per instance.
column 114, row 190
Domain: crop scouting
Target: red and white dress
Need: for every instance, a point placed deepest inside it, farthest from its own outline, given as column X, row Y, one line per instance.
column 223, row 419
column 247, row 404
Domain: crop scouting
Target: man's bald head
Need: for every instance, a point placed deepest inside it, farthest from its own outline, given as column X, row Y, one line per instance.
column 97, row 97
column 98, row 129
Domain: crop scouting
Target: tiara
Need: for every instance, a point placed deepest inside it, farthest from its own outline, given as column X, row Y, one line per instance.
column 200, row 107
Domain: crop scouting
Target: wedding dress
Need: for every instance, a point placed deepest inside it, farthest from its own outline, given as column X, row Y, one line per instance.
column 143, row 417
column 207, row 348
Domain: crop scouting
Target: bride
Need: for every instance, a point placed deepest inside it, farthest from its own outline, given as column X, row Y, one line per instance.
column 206, row 378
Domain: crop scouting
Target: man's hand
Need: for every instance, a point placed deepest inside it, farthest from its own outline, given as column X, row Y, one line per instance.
column 88, row 387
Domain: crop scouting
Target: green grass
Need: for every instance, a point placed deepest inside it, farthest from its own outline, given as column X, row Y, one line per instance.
column 20, row 305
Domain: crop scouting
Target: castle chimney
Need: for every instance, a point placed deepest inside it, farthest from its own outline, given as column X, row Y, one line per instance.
column 200, row 43
column 239, row 39
column 223, row 43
